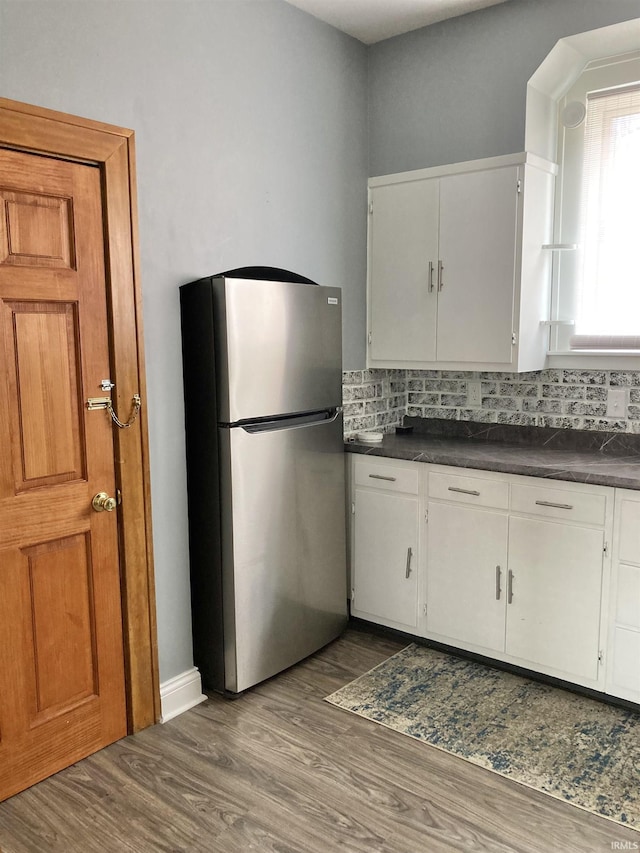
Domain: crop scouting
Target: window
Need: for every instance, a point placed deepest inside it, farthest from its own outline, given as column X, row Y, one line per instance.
column 597, row 270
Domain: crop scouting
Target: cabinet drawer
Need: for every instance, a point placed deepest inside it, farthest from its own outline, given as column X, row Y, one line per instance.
column 392, row 478
column 559, row 503
column 475, row 491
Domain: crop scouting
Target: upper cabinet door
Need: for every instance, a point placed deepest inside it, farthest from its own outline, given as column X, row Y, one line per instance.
column 403, row 257
column 478, row 216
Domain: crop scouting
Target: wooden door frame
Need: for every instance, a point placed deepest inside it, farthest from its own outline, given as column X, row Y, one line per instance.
column 34, row 129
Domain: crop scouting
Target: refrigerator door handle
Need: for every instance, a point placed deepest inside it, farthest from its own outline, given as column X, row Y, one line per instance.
column 328, row 416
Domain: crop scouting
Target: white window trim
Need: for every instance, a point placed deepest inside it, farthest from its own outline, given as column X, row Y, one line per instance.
column 556, row 74
column 602, row 73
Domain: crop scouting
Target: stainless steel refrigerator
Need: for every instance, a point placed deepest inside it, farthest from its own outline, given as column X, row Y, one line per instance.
column 265, row 466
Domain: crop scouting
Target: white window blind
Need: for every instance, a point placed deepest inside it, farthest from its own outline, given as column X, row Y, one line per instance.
column 608, row 310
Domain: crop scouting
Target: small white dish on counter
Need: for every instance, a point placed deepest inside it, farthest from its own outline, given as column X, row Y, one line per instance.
column 370, row 437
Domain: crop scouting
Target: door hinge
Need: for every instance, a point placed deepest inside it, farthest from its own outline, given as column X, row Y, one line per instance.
column 353, row 507
column 600, row 656
column 369, row 338
column 514, row 338
column 605, row 549
column 424, row 609
column 353, row 597
column 426, row 516
column 519, row 185
column 371, row 207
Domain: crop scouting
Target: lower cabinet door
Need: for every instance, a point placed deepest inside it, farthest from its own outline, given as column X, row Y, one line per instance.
column 385, row 570
column 553, row 617
column 466, row 575
column 623, row 666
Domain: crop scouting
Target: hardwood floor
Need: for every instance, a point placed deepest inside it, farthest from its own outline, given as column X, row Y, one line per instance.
column 281, row 770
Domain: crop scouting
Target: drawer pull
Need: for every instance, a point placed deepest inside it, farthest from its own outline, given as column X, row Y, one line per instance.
column 430, row 276
column 408, row 569
column 382, row 477
column 556, row 506
column 464, row 491
column 498, row 590
column 509, row 586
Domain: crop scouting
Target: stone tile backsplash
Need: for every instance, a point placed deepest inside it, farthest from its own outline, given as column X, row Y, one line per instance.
column 373, row 399
column 564, row 399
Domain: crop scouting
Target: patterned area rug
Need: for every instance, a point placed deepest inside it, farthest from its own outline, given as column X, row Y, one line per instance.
column 569, row 746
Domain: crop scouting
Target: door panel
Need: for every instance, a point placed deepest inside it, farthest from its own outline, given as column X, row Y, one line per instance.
column 278, row 348
column 61, row 651
column 475, row 303
column 402, row 294
column 37, row 229
column 43, row 375
column 61, row 630
column 554, row 617
column 385, row 577
column 467, row 563
column 284, row 546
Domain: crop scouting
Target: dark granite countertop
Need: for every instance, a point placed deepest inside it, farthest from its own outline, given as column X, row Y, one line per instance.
column 578, row 456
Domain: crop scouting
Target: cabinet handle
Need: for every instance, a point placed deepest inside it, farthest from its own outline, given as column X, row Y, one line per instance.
column 440, row 281
column 408, row 569
column 430, row 276
column 382, row 477
column 556, row 506
column 464, row 491
column 498, row 590
column 509, row 586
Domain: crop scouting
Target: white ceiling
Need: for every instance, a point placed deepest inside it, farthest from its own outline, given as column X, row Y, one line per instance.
column 374, row 20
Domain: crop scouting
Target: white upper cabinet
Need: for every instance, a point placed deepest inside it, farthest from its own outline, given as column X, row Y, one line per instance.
column 477, row 250
column 403, row 248
column 457, row 274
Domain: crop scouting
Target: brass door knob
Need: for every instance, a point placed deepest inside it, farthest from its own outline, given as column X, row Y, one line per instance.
column 103, row 503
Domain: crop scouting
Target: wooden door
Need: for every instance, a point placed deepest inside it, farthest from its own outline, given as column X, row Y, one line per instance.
column 403, row 241
column 478, row 218
column 386, row 527
column 61, row 644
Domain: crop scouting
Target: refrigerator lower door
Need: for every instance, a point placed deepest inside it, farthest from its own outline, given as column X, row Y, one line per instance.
column 283, row 546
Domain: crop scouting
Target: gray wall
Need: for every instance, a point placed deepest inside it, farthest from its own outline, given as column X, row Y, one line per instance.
column 251, row 127
column 456, row 91
column 250, row 121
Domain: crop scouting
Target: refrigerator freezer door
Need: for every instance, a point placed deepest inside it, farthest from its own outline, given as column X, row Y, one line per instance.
column 278, row 348
column 283, row 534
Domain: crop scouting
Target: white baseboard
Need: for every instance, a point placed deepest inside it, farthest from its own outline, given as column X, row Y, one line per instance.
column 179, row 694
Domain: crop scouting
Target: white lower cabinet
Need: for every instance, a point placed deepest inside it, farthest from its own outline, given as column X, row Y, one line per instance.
column 507, row 566
column 517, row 572
column 555, row 593
column 466, row 560
column 623, row 668
column 384, row 583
